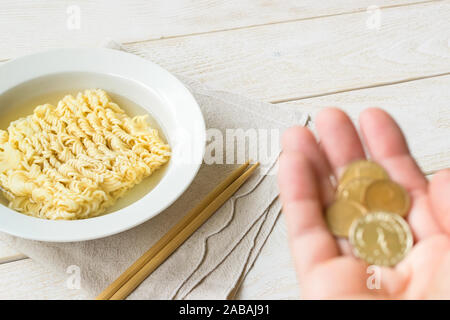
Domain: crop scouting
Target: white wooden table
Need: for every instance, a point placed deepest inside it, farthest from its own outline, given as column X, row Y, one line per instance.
column 348, row 53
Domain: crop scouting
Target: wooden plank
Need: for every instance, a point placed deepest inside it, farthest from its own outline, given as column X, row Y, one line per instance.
column 136, row 20
column 26, row 279
column 313, row 57
column 420, row 107
column 8, row 254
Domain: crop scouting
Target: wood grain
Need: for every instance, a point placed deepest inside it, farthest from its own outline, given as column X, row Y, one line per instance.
column 37, row 25
column 300, row 59
column 26, row 279
column 420, row 107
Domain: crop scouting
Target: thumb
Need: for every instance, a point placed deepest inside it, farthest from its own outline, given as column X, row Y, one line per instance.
column 439, row 191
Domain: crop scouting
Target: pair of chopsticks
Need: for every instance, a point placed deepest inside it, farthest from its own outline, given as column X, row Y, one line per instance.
column 128, row 281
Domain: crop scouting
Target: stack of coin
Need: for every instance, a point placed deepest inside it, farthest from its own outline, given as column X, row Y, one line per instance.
column 369, row 210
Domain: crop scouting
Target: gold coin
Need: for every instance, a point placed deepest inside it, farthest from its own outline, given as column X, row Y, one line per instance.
column 363, row 168
column 341, row 214
column 386, row 195
column 354, row 189
column 381, row 238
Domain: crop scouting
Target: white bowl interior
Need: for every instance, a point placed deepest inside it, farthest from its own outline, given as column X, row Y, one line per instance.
column 131, row 96
column 137, row 86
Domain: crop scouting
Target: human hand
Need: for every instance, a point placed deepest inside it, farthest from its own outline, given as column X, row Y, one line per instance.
column 325, row 266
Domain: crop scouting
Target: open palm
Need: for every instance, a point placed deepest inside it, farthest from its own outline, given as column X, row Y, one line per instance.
column 325, row 266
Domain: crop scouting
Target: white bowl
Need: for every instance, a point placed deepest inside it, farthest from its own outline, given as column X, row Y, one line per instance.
column 153, row 88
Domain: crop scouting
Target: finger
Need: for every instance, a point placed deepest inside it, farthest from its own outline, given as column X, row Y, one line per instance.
column 387, row 145
column 310, row 241
column 339, row 138
column 439, row 191
column 301, row 140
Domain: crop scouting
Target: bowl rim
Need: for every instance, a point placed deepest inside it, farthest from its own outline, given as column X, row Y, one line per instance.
column 108, row 62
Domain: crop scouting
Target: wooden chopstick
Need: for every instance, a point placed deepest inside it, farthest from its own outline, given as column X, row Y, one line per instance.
column 136, row 266
column 182, row 236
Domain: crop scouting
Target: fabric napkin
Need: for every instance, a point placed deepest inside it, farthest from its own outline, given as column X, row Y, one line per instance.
column 213, row 262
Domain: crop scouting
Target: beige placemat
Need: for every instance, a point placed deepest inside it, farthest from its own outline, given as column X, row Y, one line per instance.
column 212, row 262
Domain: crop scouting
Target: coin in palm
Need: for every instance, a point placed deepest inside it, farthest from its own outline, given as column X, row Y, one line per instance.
column 381, row 238
column 341, row 214
column 386, row 195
